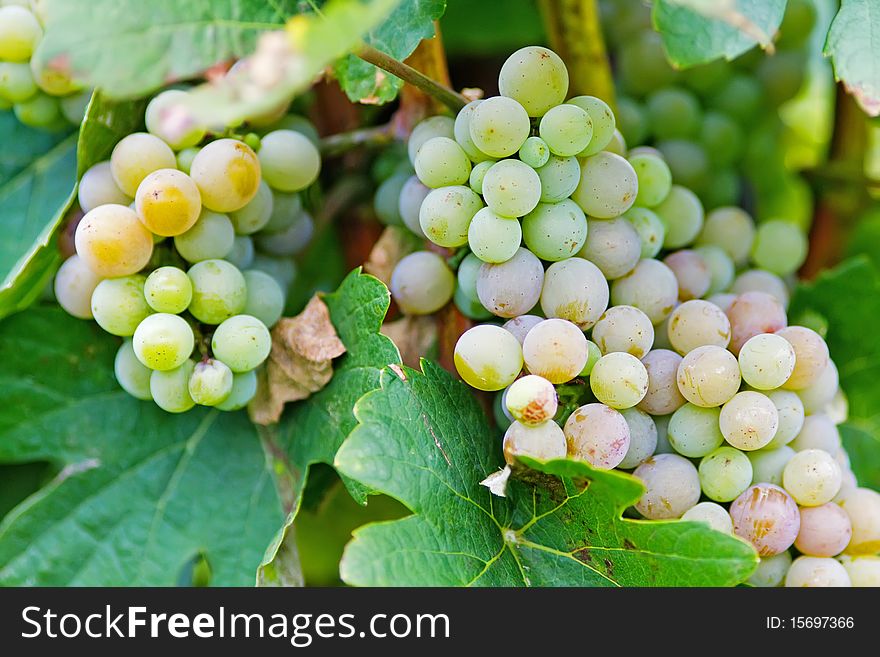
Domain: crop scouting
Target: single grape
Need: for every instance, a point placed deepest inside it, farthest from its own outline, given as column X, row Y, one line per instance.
column 650, row 229
column 185, row 159
column 386, row 202
column 468, row 271
column 862, row 505
column 812, row 477
column 478, row 174
column 256, row 213
column 712, row 514
column 210, row 383
column 513, row 287
column 535, row 152
column 863, row 571
column 20, row 32
column 286, row 209
column 412, row 194
column 619, row 380
column 698, row 323
column 821, row 394
column 693, row 431
column 494, row 238
column 566, row 129
column 608, row 186
column 724, row 188
column 242, row 253
column 544, row 441
column 168, row 202
column 642, row 64
column 722, row 138
column 816, row 572
column 602, row 119
column 731, row 229
column 531, row 400
column 632, row 120
column 422, row 283
column 446, row 214
column 780, row 247
column 673, row 113
column 210, row 238
column 740, row 97
column 663, row 396
column 227, row 173
column 137, row 156
column 593, row 356
column 442, row 162
column 725, row 473
column 242, row 342
column 811, row 353
column 753, row 313
column 265, row 298
column 555, row 349
column 598, row 435
column 470, row 306
column 617, row 145
column 499, row 126
column 161, row 113
column 682, row 213
column 132, row 375
column 626, row 329
column 642, row 438
column 574, row 289
column 433, row 126
column 650, row 286
column 758, row 280
column 520, row 326
column 691, row 272
column 536, row 77
column 118, row 304
column 722, row 299
column 555, row 231
column 613, row 245
column 168, row 290
column 721, row 268
column 767, row 517
column 768, row 464
column 97, row 187
column 244, row 387
column 487, row 357
column 500, row 413
column 791, row 416
column 290, row 241
column 825, row 530
column 39, row 111
column 766, row 361
column 559, row 178
column 112, row 241
column 672, row 486
column 163, row 341
column 170, row 388
column 16, row 82
column 749, row 420
column 654, row 178
column 288, row 160
column 462, row 133
column 219, row 291
column 688, row 162
column 74, row 285
column 511, row 188
column 708, row 376
column 771, row 570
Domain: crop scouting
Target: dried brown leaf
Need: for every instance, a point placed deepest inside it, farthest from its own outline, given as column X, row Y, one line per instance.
column 394, row 243
column 414, row 336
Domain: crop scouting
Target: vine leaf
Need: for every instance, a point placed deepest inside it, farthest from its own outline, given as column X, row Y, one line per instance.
column 852, row 41
column 699, row 31
column 423, row 440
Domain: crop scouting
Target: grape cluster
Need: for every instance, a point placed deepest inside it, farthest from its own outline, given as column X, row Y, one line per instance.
column 717, row 125
column 40, row 98
column 639, row 333
column 185, row 248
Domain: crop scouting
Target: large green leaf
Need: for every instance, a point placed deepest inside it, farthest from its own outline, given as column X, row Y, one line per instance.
column 425, row 442
column 128, row 48
column 141, row 491
column 699, row 31
column 398, row 36
column 853, row 43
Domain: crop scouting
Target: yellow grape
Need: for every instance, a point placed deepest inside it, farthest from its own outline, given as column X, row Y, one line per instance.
column 113, row 242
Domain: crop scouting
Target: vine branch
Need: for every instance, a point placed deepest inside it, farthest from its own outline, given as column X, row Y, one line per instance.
column 374, row 136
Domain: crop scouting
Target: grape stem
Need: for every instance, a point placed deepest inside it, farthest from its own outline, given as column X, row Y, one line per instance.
column 452, row 99
column 375, row 136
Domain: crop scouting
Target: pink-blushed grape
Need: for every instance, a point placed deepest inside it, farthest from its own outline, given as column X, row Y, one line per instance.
column 542, row 441
column 708, row 376
column 598, row 435
column 642, row 437
column 531, row 400
column 791, row 416
column 574, row 289
column 752, row 313
column 691, row 272
column 663, row 396
column 672, row 486
column 767, row 517
column 818, row 432
column 521, row 325
column 825, row 530
column 811, row 354
column 555, row 349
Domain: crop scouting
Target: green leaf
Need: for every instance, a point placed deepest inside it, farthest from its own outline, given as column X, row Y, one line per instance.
column 465, row 34
column 128, row 48
column 141, row 492
column 425, row 442
column 699, row 31
column 863, row 448
column 852, row 43
column 398, row 36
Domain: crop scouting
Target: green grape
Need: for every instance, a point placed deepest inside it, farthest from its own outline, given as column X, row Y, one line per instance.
column 227, row 172
column 731, row 229
column 812, row 477
column 674, row 113
column 642, row 65
column 163, row 341
column 555, row 349
column 598, row 435
column 790, row 409
column 626, row 329
column 693, row 431
column 632, row 120
column 709, row 376
column 469, row 306
column 442, row 162
column 682, row 213
column 210, row 383
column 289, row 161
column 697, row 323
column 462, row 132
column 613, row 245
column 608, row 186
column 185, row 159
column 282, row 270
column 722, row 139
column 593, row 356
column 478, row 173
column 511, row 288
column 132, row 375
column 721, row 268
column 20, row 32
column 119, row 305
column 493, row 238
column 619, row 380
column 219, row 291
column 412, row 194
column 811, row 356
column 543, row 441
column 650, row 229
column 687, row 161
column 617, row 145
column 555, row 231
column 650, row 286
column 265, row 298
column 642, row 438
column 780, row 247
column 768, row 464
column 691, row 272
column 531, row 400
column 159, row 115
column 74, row 285
column 566, row 129
column 301, row 125
column 501, row 414
column 433, row 126
column 210, row 238
column 654, row 177
column 244, row 388
column 708, row 78
column 535, row 152
column 446, row 214
column 663, row 396
column 663, row 446
column 468, row 272
column 672, row 486
column 16, row 82
column 285, row 210
column 782, row 75
column 574, row 289
column 39, row 111
column 242, row 252
column 487, row 357
column 758, row 280
column 422, row 283
column 771, row 570
column 602, row 120
column 255, row 215
column 766, row 361
column 740, row 98
column 97, row 187
column 499, row 126
column 136, row 156
column 520, row 326
column 723, row 188
column 712, row 514
column 170, row 389
column 724, row 474
column 168, row 202
column 4, row 104
column 511, row 188
column 386, row 202
column 242, row 342
column 559, row 178
column 289, row 241
column 168, row 290
column 536, row 78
